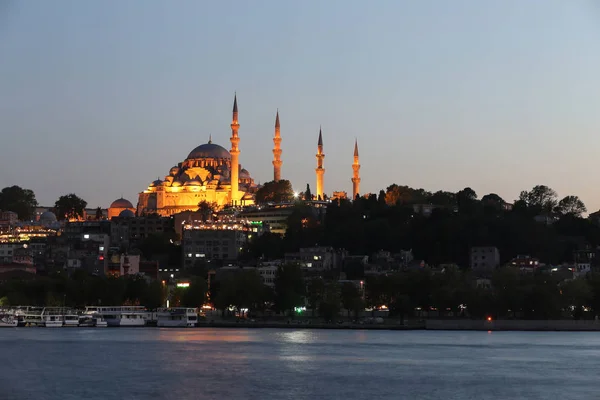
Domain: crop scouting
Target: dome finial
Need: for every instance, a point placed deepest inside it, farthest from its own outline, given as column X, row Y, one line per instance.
column 210, row 138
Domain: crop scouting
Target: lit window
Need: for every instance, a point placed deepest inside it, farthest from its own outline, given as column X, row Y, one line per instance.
column 101, row 248
column 86, row 236
column 190, row 255
column 197, row 255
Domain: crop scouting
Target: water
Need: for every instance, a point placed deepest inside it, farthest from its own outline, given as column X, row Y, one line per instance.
column 121, row 363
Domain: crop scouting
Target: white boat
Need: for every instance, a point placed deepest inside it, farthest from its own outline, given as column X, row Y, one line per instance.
column 92, row 321
column 8, row 319
column 32, row 315
column 177, row 317
column 52, row 318
column 121, row 316
column 71, row 318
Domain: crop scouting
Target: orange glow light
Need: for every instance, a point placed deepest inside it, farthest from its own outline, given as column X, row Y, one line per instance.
column 489, row 319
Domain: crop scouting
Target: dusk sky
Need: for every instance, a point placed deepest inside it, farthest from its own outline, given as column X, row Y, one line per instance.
column 101, row 98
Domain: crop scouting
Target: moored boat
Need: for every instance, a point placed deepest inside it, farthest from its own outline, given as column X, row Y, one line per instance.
column 124, row 316
column 8, row 319
column 177, row 317
column 92, row 321
column 52, row 318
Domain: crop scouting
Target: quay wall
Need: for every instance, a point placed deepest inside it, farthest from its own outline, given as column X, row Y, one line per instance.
column 513, row 325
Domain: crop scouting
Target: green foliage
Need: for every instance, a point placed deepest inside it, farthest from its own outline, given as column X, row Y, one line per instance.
column 69, row 207
column 541, row 198
column 18, row 200
column 242, row 289
column 275, row 192
column 81, row 289
column 289, row 288
column 206, row 209
column 329, row 308
column 161, row 244
column 571, row 205
column 307, row 193
column 351, row 299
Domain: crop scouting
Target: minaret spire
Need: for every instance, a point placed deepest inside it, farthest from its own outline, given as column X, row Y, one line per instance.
column 355, row 172
column 210, row 138
column 320, row 171
column 277, row 150
column 235, row 153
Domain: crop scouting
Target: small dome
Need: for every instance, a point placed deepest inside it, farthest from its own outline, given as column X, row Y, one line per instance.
column 244, row 173
column 209, row 150
column 193, row 182
column 174, row 171
column 157, row 182
column 48, row 216
column 121, row 203
column 126, row 214
column 176, row 184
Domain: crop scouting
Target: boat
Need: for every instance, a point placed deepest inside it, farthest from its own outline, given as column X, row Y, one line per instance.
column 128, row 316
column 71, row 318
column 52, row 318
column 32, row 316
column 92, row 321
column 8, row 319
column 176, row 317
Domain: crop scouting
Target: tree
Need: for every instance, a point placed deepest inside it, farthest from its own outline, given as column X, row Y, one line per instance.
column 493, row 199
column 195, row 294
column 307, row 194
column 98, row 214
column 206, row 210
column 69, row 207
column 314, row 293
column 330, row 304
column 351, row 299
column 18, row 200
column 466, row 199
column 541, row 198
column 275, row 192
column 571, row 205
column 289, row 287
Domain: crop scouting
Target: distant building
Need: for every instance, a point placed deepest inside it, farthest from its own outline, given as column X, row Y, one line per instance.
column 484, row 258
column 525, row 263
column 315, row 258
column 221, row 240
column 8, row 219
column 268, row 272
column 127, row 229
column 118, row 206
column 275, row 216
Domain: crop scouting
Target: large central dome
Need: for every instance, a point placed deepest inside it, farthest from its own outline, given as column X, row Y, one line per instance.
column 209, row 150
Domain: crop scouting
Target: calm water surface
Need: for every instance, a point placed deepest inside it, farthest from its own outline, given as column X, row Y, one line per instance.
column 131, row 364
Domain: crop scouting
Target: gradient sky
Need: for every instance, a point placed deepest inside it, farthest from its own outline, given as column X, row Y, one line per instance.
column 100, row 98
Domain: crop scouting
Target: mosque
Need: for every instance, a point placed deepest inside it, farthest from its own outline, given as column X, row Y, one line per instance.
column 213, row 174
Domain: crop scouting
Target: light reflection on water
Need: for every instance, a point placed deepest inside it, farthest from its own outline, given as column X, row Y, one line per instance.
column 184, row 364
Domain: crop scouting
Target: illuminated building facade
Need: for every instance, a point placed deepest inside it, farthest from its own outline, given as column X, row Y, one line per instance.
column 209, row 173
column 221, row 240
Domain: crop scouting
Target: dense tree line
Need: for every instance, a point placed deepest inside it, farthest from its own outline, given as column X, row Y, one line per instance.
column 82, row 289
column 537, row 224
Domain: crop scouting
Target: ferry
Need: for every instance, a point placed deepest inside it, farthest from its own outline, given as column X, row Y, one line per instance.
column 122, row 316
column 52, row 318
column 92, row 321
column 8, row 319
column 31, row 316
column 71, row 318
column 177, row 317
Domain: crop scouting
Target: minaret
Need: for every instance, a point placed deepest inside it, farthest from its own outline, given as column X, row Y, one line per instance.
column 355, row 172
column 277, row 151
column 235, row 153
column 320, row 170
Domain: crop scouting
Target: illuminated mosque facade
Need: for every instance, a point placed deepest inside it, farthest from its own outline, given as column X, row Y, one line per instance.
column 213, row 174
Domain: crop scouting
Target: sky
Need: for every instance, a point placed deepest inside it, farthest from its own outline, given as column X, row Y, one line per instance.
column 99, row 98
